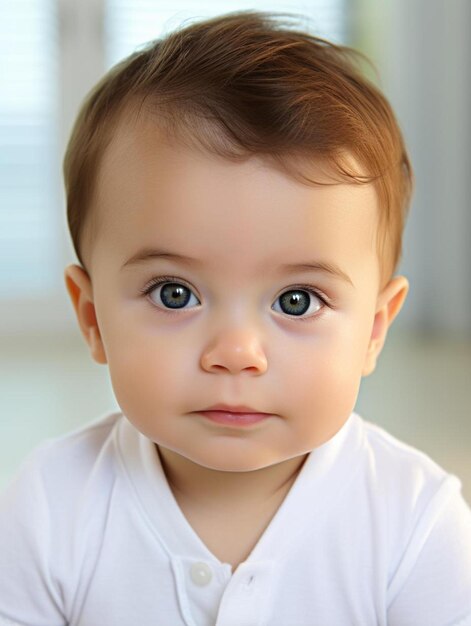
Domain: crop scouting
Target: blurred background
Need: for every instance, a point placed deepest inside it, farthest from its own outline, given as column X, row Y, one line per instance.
column 53, row 51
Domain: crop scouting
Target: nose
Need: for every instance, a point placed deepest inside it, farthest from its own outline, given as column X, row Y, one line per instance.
column 233, row 352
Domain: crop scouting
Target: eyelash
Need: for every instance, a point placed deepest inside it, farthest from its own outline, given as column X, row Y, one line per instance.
column 155, row 282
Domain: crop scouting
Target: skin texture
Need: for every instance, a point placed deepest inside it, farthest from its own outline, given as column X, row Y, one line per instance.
column 233, row 342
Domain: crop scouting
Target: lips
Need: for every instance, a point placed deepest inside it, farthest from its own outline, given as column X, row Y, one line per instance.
column 226, row 408
column 233, row 415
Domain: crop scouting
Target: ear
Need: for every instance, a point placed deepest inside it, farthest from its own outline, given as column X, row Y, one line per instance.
column 79, row 286
column 389, row 304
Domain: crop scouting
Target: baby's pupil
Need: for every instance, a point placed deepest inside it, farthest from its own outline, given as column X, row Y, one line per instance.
column 174, row 296
column 295, row 302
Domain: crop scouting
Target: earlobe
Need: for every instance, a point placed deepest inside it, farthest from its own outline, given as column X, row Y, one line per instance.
column 80, row 290
column 390, row 302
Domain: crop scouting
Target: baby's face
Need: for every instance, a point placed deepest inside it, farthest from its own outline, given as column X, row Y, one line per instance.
column 237, row 326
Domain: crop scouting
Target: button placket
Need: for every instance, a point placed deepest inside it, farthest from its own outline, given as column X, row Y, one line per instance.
column 247, row 598
column 199, row 602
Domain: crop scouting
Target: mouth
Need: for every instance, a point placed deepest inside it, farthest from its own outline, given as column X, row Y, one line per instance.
column 233, row 416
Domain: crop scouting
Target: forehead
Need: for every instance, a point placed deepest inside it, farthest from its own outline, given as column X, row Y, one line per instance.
column 155, row 192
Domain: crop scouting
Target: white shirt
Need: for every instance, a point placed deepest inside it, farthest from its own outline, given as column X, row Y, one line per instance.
column 372, row 533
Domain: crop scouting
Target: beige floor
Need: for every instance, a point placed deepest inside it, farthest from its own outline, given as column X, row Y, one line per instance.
column 420, row 393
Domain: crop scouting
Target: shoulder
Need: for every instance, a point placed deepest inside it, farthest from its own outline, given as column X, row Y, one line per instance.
column 52, row 516
column 76, row 449
column 418, row 503
column 400, row 465
column 51, row 477
column 406, row 489
column 427, row 523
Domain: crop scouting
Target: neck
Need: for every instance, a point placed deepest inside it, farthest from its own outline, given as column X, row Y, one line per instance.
column 208, row 487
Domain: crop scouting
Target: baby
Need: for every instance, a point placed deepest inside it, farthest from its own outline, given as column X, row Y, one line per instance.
column 236, row 196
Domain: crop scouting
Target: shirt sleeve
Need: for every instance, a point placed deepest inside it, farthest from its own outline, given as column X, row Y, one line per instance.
column 29, row 596
column 432, row 586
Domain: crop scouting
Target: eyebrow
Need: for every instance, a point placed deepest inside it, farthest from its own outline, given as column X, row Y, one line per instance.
column 317, row 266
column 149, row 254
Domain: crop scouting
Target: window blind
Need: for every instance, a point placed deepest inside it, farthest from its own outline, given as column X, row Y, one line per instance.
column 28, row 147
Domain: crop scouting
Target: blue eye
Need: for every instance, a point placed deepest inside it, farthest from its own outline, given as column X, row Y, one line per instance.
column 172, row 295
column 297, row 301
column 169, row 293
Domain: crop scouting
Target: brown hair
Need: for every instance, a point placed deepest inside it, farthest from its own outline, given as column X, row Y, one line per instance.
column 242, row 84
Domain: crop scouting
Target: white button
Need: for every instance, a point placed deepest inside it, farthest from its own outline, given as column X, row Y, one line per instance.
column 201, row 574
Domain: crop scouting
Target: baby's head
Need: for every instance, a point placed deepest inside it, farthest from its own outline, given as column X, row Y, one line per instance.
column 204, row 175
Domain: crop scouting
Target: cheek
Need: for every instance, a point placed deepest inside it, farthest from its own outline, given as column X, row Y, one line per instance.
column 146, row 371
column 324, row 379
